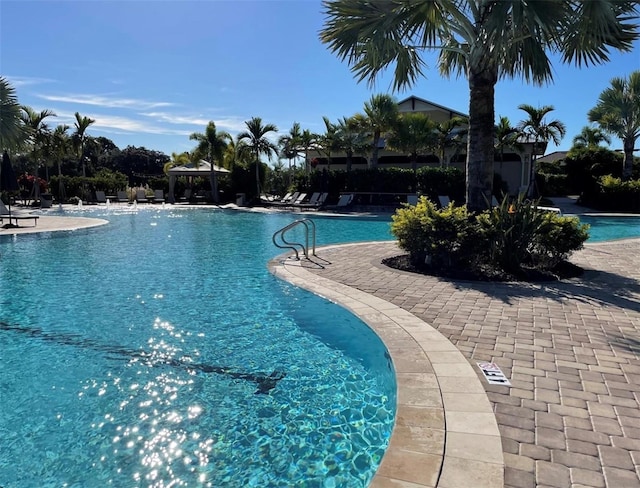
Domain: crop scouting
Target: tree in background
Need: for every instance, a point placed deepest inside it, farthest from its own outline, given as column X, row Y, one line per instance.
column 38, row 133
column 618, row 113
column 290, row 145
column 538, row 131
column 350, row 139
column 258, row 143
column 591, row 137
column 484, row 41
column 381, row 114
column 212, row 144
column 449, row 135
column 413, row 134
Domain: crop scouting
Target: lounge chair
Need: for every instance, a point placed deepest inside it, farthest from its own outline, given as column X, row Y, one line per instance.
column 141, row 196
column 101, row 197
column 158, row 196
column 16, row 215
column 443, row 200
column 286, row 201
column 316, row 201
column 300, row 199
column 412, row 199
column 122, row 197
column 186, row 196
column 343, row 201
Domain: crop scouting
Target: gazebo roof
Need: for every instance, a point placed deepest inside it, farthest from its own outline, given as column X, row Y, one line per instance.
column 201, row 169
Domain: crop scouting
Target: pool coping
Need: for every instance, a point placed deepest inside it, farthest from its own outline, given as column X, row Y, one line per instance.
column 445, row 433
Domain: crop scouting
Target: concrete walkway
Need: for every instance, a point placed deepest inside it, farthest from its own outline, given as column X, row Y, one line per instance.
column 571, row 350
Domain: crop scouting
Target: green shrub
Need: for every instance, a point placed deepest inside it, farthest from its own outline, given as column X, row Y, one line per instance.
column 512, row 238
column 442, row 238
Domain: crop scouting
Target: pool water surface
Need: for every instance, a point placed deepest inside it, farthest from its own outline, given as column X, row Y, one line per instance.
column 159, row 351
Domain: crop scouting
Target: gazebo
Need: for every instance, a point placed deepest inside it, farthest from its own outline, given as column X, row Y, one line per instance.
column 202, row 169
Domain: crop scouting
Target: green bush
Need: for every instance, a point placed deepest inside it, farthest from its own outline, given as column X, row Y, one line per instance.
column 441, row 238
column 512, row 238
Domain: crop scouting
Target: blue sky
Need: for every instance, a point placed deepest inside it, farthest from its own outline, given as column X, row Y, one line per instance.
column 152, row 72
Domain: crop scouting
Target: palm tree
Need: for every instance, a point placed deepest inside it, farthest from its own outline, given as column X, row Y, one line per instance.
column 381, row 115
column 618, row 113
column 448, row 135
column 258, row 143
column 591, row 137
column 212, row 144
column 307, row 140
column 506, row 136
column 538, row 131
column 327, row 142
column 483, row 40
column 80, row 139
column 349, row 138
column 414, row 134
column 12, row 131
column 290, row 144
column 59, row 146
column 38, row 136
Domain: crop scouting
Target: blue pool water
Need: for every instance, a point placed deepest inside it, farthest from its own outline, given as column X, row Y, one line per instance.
column 605, row 228
column 159, row 351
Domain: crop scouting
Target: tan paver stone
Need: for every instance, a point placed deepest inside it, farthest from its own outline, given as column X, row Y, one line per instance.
column 620, row 478
column 615, row 457
column 552, row 474
column 458, row 472
column 587, row 478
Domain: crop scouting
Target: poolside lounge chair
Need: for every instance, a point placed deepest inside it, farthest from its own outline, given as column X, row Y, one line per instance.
column 158, row 196
column 141, row 196
column 186, row 196
column 286, row 201
column 122, row 197
column 300, row 199
column 316, row 201
column 412, row 199
column 443, row 200
column 101, row 197
column 343, row 201
column 15, row 215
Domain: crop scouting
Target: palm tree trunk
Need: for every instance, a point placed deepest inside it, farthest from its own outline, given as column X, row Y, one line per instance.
column 627, row 169
column 479, row 165
column 374, row 151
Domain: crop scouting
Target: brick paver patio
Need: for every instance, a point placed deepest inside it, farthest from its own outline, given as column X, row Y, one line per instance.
column 571, row 349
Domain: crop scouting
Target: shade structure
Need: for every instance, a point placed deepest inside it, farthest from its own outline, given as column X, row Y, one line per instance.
column 8, row 180
column 202, row 169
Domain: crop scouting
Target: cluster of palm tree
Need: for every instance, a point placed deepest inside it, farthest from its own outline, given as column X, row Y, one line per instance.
column 485, row 41
column 25, row 130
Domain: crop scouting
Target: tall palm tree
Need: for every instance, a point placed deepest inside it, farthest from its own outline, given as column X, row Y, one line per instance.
column 413, row 134
column 327, row 142
column 38, row 137
column 381, row 113
column 12, row 130
column 350, row 138
column 591, row 137
column 59, row 146
column 212, row 145
column 618, row 113
column 307, row 140
column 290, row 144
column 81, row 125
column 236, row 152
column 258, row 143
column 484, row 40
column 538, row 131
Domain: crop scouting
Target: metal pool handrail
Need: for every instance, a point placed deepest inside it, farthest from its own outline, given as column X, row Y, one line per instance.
column 308, row 223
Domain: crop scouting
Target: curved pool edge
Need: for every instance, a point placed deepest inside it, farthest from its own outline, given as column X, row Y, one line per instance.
column 442, row 413
column 57, row 223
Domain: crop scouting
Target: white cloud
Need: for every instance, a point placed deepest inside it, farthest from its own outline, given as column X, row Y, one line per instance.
column 103, row 101
column 121, row 125
column 20, row 81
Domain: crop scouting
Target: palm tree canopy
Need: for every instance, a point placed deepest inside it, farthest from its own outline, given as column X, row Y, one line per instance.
column 508, row 37
column 536, row 129
column 414, row 133
column 12, row 130
column 212, row 143
column 591, row 137
column 255, row 135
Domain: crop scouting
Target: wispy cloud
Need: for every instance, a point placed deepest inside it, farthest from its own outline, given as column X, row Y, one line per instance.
column 103, row 101
column 21, row 81
column 122, row 125
column 229, row 124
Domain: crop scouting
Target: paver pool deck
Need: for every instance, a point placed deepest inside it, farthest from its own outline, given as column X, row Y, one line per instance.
column 571, row 350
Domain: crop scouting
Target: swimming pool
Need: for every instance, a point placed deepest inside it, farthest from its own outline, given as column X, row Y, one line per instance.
column 159, row 351
column 608, row 228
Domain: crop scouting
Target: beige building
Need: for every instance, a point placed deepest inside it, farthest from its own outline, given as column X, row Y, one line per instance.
column 513, row 165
